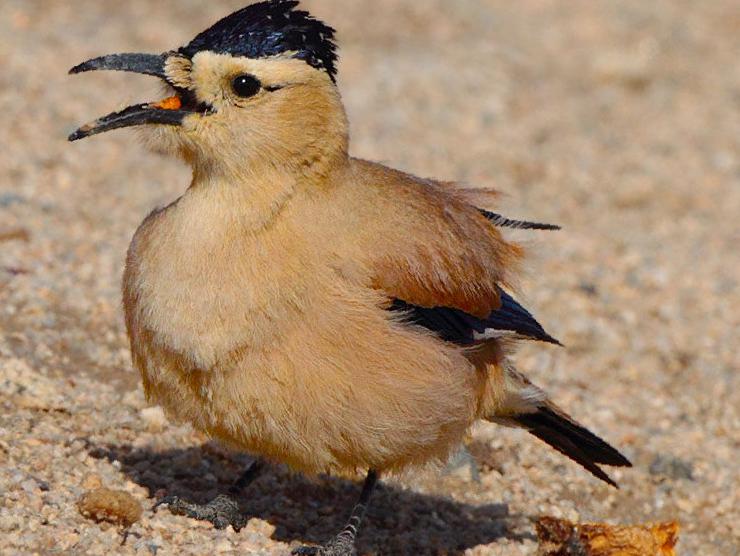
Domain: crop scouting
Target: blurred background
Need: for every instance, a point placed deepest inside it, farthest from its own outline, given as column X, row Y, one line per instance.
column 618, row 120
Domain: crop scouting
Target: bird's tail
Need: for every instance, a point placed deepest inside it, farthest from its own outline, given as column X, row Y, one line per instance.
column 563, row 433
column 531, row 410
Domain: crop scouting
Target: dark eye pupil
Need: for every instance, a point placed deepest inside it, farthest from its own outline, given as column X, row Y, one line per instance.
column 246, row 86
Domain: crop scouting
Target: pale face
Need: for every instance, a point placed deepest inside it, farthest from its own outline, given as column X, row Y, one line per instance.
column 244, row 108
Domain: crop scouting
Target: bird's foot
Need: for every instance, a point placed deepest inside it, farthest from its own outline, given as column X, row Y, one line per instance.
column 222, row 511
column 341, row 545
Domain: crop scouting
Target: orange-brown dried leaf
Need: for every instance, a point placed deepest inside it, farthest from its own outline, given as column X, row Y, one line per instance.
column 562, row 538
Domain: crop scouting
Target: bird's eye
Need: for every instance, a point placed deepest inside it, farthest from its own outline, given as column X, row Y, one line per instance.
column 246, row 85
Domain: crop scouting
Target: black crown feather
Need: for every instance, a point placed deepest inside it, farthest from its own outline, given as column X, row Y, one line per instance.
column 267, row 29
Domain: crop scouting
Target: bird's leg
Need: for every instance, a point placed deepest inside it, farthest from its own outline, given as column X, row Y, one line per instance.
column 344, row 543
column 248, row 477
column 223, row 510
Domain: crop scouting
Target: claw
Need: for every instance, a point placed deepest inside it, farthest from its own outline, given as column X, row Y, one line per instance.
column 166, row 501
column 339, row 546
column 221, row 512
column 306, row 551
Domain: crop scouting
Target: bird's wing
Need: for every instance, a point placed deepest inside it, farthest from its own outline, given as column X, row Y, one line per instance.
column 426, row 245
column 441, row 260
column 459, row 327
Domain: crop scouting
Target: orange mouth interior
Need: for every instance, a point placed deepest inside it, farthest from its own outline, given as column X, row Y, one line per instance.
column 170, row 103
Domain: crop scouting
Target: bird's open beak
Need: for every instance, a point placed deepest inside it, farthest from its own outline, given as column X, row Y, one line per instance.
column 170, row 111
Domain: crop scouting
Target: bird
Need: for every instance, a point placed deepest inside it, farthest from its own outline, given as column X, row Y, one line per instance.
column 307, row 307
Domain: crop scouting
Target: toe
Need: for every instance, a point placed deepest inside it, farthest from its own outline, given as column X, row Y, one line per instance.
column 166, row 501
column 306, row 551
column 221, row 512
column 331, row 549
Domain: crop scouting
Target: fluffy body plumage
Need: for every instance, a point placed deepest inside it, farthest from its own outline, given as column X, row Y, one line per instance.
column 278, row 339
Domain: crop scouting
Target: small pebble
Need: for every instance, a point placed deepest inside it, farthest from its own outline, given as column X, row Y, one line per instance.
column 110, row 506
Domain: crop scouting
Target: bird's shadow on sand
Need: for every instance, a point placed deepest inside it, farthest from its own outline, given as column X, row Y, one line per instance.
column 304, row 510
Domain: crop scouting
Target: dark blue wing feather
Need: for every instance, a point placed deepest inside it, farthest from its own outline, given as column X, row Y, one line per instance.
column 459, row 327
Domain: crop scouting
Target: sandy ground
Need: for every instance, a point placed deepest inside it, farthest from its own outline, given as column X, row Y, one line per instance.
column 618, row 120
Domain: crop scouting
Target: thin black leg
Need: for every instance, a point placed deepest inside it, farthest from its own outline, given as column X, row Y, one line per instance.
column 222, row 511
column 247, row 478
column 344, row 543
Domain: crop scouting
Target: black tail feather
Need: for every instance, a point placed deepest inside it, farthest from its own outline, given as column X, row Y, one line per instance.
column 503, row 222
column 572, row 440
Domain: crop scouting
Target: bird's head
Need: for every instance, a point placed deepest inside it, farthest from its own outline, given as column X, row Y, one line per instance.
column 260, row 83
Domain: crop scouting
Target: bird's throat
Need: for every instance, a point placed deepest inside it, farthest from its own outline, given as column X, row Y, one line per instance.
column 249, row 201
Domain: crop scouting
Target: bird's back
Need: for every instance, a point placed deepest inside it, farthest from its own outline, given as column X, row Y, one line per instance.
column 417, row 239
